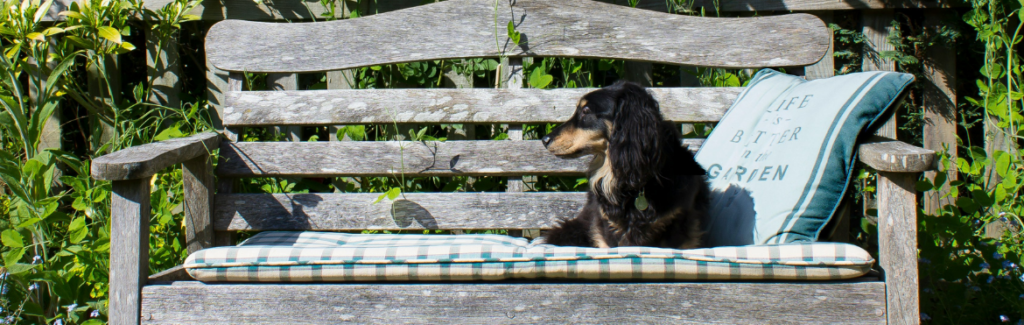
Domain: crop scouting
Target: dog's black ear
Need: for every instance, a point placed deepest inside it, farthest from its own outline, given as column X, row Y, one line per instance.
column 635, row 148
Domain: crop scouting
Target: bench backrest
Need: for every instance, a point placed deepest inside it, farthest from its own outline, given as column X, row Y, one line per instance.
column 453, row 30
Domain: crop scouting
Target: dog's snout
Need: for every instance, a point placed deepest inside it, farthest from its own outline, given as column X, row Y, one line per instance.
column 546, row 140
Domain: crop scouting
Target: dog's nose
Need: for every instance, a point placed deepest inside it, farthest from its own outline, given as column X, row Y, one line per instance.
column 546, row 140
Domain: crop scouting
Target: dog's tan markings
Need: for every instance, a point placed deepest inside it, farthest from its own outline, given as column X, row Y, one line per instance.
column 575, row 141
column 611, row 127
column 583, row 102
column 603, row 175
column 614, row 227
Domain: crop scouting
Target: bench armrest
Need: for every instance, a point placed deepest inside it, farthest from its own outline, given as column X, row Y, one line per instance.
column 145, row 160
column 893, row 156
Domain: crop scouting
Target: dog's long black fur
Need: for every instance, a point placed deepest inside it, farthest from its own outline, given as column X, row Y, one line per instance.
column 636, row 153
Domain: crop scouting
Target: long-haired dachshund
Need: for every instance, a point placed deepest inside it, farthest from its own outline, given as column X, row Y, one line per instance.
column 645, row 187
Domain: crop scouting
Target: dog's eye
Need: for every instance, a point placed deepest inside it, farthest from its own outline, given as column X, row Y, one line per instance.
column 585, row 110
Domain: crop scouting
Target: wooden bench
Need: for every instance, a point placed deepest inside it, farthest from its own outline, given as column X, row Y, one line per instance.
column 466, row 29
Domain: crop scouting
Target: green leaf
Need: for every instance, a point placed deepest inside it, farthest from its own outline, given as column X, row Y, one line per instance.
column 80, row 204
column 512, row 33
column 14, row 255
column 354, row 132
column 18, row 268
column 966, row 204
column 127, row 46
column 28, row 222
column 79, row 42
column 539, row 79
column 36, row 36
column 169, row 133
column 110, row 34
column 78, row 231
column 393, row 193
column 380, row 197
column 71, row 14
column 1002, row 163
column 999, row 193
column 940, row 179
column 923, row 185
column 12, row 238
column 981, row 197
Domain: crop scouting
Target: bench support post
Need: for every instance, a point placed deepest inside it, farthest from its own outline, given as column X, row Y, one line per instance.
column 197, row 176
column 129, row 249
column 897, row 245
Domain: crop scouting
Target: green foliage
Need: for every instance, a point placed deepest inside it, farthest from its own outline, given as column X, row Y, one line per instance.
column 55, row 225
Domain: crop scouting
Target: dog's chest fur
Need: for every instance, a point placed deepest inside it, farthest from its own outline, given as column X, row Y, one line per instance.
column 672, row 218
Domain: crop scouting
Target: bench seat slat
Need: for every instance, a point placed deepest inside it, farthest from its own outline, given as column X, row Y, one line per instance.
column 387, row 158
column 564, row 28
column 481, row 105
column 412, row 211
column 190, row 302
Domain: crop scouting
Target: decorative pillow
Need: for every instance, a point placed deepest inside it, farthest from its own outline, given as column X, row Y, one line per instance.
column 781, row 158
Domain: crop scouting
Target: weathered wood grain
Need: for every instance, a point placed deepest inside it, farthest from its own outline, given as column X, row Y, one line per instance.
column 216, row 88
column 177, row 273
column 567, row 28
column 940, row 118
column 503, row 303
column 145, row 160
column 390, row 158
column 512, row 69
column 412, row 211
column 233, row 83
column 197, row 180
column 809, row 5
column 292, row 10
column 895, row 156
column 163, row 66
column 897, row 245
column 826, row 67
column 639, row 72
column 877, row 25
column 285, row 82
column 129, row 249
column 440, row 105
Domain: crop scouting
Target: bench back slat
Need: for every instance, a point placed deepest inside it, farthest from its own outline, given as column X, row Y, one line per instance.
column 565, row 28
column 439, row 105
column 390, row 158
column 412, row 211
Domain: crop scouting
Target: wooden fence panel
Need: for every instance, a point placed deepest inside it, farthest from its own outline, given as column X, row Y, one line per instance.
column 877, row 26
column 940, row 115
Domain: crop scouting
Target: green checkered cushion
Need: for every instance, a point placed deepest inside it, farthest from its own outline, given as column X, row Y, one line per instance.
column 332, row 257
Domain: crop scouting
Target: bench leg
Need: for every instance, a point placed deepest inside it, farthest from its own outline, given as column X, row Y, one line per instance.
column 897, row 245
column 197, row 176
column 129, row 249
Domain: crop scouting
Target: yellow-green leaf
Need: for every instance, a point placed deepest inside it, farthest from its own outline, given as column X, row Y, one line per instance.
column 12, row 238
column 110, row 34
column 36, row 36
column 72, row 14
column 393, row 193
column 189, row 17
column 127, row 46
column 78, row 230
column 78, row 41
column 53, row 31
column 42, row 10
